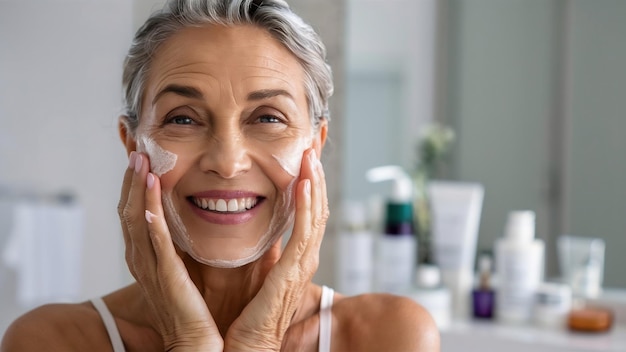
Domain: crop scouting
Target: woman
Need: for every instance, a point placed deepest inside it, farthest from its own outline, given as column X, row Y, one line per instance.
column 226, row 114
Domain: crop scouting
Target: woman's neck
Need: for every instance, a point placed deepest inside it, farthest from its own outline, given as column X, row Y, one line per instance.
column 227, row 291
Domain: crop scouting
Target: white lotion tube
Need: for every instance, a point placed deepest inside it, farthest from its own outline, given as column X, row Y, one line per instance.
column 455, row 209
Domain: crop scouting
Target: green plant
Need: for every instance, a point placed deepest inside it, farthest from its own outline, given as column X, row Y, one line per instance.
column 433, row 149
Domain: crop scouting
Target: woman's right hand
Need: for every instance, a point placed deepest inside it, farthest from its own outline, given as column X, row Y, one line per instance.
column 180, row 313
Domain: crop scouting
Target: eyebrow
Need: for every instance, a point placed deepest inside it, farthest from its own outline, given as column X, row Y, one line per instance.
column 191, row 92
column 268, row 93
column 185, row 91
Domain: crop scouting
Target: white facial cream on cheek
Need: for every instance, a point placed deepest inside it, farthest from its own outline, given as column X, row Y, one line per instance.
column 161, row 160
column 290, row 159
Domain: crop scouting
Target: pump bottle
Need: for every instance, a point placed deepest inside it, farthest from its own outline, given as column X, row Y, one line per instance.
column 397, row 246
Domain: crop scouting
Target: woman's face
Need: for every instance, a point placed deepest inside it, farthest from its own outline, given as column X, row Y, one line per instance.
column 225, row 122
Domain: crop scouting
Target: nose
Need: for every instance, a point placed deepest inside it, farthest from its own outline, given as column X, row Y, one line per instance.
column 226, row 155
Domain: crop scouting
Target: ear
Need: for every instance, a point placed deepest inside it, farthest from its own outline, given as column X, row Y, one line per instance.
column 320, row 137
column 126, row 136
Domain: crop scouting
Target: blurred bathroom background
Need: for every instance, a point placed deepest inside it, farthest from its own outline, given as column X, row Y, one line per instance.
column 535, row 91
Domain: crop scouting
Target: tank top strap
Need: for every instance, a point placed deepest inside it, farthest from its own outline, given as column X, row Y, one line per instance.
column 109, row 324
column 326, row 318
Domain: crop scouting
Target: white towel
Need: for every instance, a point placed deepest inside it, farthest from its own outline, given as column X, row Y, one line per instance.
column 45, row 249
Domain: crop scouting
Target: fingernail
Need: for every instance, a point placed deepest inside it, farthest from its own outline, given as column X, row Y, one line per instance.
column 138, row 163
column 307, row 186
column 131, row 160
column 150, row 180
column 313, row 155
column 149, row 216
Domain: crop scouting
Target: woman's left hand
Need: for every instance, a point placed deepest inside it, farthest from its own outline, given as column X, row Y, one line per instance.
column 263, row 323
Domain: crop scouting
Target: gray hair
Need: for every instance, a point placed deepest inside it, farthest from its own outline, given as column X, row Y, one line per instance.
column 275, row 16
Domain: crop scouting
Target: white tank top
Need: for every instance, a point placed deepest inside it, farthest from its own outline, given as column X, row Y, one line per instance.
column 326, row 304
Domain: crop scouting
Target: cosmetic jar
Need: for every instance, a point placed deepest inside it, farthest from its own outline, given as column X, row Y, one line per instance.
column 553, row 302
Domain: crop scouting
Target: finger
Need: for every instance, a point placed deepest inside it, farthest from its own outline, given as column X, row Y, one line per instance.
column 316, row 197
column 134, row 215
column 132, row 185
column 303, row 228
column 126, row 183
column 319, row 204
column 297, row 244
column 319, row 209
column 160, row 236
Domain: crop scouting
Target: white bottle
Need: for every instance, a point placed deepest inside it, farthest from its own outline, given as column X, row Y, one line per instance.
column 519, row 268
column 354, row 251
column 396, row 247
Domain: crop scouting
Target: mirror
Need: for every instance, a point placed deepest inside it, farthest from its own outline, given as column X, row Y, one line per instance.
column 535, row 92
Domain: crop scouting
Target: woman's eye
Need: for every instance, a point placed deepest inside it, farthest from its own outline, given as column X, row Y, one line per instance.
column 269, row 119
column 181, row 120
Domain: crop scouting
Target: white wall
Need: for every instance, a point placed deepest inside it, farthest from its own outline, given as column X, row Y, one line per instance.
column 596, row 162
column 60, row 95
column 391, row 86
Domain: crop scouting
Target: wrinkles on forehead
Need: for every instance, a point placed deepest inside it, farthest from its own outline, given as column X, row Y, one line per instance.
column 228, row 60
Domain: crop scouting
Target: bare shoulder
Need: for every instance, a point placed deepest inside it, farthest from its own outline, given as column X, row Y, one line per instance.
column 56, row 327
column 383, row 322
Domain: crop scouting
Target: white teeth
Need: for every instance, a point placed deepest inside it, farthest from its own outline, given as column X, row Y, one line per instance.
column 220, row 205
column 223, row 205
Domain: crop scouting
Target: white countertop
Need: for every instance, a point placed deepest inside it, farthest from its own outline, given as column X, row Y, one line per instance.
column 485, row 336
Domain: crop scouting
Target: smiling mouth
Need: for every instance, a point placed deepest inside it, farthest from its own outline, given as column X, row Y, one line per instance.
column 226, row 206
